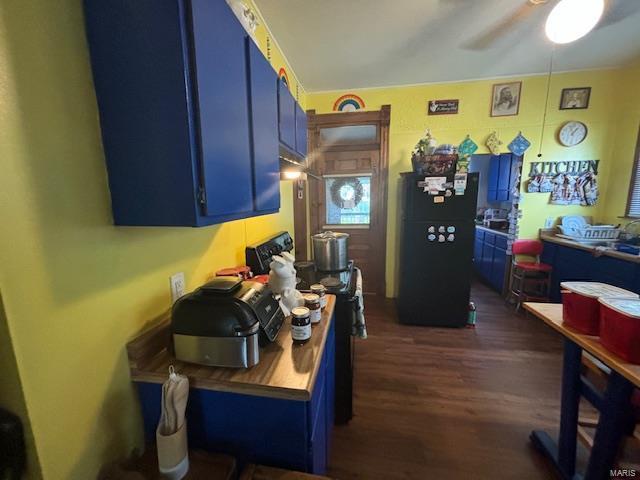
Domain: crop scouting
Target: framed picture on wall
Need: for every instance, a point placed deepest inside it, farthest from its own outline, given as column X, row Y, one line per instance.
column 505, row 100
column 575, row 98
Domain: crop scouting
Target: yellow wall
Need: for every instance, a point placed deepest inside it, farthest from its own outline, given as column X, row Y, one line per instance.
column 269, row 46
column 409, row 121
column 626, row 123
column 75, row 288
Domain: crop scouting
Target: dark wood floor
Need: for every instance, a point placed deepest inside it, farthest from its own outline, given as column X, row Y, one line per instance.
column 450, row 403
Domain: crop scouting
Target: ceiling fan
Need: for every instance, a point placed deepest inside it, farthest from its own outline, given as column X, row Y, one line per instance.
column 614, row 11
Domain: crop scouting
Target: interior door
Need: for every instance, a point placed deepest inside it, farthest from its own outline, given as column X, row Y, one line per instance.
column 349, row 199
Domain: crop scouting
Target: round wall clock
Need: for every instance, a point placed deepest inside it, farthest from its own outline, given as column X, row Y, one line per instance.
column 572, row 133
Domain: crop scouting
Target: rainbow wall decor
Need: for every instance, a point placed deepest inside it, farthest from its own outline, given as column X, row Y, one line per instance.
column 282, row 73
column 348, row 103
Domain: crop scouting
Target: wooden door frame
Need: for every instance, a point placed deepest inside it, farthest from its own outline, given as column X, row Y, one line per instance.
column 381, row 118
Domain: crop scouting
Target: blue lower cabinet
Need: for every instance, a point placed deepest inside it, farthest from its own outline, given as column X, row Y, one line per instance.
column 574, row 264
column 490, row 258
column 498, row 268
column 477, row 254
column 614, row 271
column 487, row 260
column 289, row 434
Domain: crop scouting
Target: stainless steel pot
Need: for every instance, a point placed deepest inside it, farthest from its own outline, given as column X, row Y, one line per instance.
column 330, row 251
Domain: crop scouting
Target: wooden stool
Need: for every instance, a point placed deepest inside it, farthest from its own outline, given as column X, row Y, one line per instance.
column 260, row 472
column 530, row 280
column 202, row 466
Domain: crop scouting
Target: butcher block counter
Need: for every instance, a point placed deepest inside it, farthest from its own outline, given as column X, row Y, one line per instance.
column 279, row 412
column 285, row 370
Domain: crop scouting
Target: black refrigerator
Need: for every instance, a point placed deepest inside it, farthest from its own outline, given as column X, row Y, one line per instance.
column 436, row 253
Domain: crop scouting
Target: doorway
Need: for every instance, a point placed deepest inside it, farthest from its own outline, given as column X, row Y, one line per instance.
column 349, row 157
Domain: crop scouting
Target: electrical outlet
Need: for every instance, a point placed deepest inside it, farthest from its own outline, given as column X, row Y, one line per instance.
column 177, row 284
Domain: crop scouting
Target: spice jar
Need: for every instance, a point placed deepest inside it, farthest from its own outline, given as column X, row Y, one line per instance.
column 312, row 302
column 320, row 290
column 300, row 325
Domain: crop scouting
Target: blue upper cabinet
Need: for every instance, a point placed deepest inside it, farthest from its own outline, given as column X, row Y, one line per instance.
column 292, row 122
column 172, row 85
column 264, row 123
column 286, row 116
column 301, row 131
column 223, row 111
column 500, row 178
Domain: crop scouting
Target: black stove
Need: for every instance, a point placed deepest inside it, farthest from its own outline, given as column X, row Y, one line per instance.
column 342, row 284
column 337, row 283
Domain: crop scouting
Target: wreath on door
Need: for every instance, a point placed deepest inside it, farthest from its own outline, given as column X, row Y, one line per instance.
column 346, row 192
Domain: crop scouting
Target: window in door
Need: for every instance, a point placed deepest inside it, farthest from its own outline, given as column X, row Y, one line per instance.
column 348, row 200
column 348, row 135
column 633, row 201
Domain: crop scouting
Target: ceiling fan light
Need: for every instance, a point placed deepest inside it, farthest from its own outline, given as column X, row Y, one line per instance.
column 573, row 19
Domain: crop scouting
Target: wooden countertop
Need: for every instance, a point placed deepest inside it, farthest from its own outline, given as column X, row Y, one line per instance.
column 551, row 314
column 548, row 236
column 504, row 233
column 285, row 370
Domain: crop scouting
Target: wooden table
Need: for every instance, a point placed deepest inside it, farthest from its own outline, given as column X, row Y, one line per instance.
column 614, row 404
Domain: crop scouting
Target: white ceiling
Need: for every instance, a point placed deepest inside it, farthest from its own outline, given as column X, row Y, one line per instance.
column 344, row 44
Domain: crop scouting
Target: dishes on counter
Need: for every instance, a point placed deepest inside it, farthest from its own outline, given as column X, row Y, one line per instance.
column 576, row 228
column 572, row 224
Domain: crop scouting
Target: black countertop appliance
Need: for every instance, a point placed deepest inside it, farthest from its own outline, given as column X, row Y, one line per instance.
column 224, row 322
column 436, row 253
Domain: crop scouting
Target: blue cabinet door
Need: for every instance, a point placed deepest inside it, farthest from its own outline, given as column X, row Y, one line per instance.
column 499, row 183
column 286, row 116
column 498, row 268
column 487, row 260
column 141, row 78
column 504, row 177
column 301, row 131
column 492, row 182
column 264, row 130
column 477, row 254
column 223, row 114
column 570, row 264
column 614, row 271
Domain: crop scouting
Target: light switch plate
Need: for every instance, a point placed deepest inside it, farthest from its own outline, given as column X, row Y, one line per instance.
column 177, row 284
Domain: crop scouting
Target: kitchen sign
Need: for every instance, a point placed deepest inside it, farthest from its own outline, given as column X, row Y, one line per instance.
column 574, row 167
column 442, row 107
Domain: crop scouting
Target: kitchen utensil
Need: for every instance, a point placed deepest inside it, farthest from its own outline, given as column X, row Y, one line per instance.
column 330, row 251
